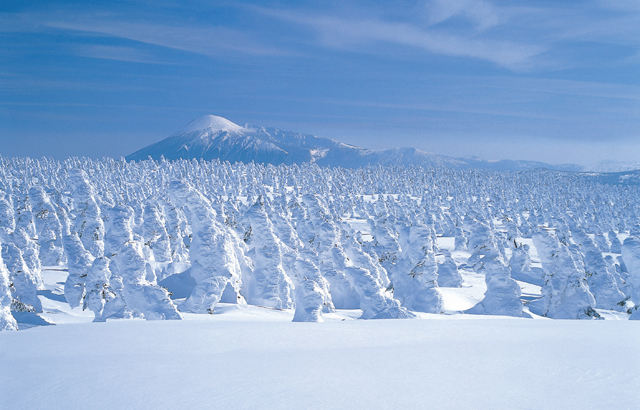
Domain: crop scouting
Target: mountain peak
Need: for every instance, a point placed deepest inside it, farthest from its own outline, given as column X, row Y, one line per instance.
column 212, row 137
column 210, row 122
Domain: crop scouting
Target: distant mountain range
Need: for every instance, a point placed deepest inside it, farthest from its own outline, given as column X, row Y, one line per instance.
column 612, row 166
column 210, row 137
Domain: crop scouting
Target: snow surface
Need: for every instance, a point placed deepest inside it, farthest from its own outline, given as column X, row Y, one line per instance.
column 250, row 357
column 489, row 364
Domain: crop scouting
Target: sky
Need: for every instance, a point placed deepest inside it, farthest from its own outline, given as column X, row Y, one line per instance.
column 554, row 81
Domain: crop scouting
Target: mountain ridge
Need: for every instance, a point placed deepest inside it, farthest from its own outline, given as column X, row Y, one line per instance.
column 212, row 137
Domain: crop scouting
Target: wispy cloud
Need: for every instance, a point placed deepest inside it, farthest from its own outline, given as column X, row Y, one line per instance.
column 481, row 13
column 349, row 33
column 207, row 40
column 117, row 53
column 514, row 37
column 201, row 38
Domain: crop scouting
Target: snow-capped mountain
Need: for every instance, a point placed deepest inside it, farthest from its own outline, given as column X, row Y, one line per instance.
column 210, row 137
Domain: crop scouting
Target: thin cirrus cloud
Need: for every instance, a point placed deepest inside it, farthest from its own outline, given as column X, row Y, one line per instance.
column 514, row 37
column 350, row 34
column 481, row 14
column 117, row 53
column 209, row 41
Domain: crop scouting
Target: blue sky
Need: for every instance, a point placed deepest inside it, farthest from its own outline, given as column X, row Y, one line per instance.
column 556, row 81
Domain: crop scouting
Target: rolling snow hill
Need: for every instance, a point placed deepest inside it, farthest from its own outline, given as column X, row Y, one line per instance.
column 211, row 137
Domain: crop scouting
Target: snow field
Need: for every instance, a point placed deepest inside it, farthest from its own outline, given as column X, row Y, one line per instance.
column 263, row 361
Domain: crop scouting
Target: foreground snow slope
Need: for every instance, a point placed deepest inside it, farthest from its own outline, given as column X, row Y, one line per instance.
column 232, row 361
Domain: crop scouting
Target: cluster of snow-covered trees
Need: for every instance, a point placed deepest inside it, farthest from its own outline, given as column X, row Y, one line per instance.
column 284, row 237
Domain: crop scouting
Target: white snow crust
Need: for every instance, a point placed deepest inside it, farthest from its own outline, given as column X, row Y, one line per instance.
column 247, row 357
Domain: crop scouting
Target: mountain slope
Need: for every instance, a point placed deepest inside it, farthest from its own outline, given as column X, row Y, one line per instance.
column 211, row 137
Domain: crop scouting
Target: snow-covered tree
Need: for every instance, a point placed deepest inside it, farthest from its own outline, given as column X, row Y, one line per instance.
column 415, row 277
column 602, row 282
column 7, row 220
column 24, row 284
column 631, row 258
column 98, row 291
column 48, row 227
column 269, row 285
column 565, row 291
column 520, row 264
column 616, row 245
column 448, row 273
column 136, row 294
column 7, row 322
column 345, row 222
column 87, row 222
column 311, row 293
column 214, row 261
column 79, row 263
column 154, row 232
column 503, row 293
